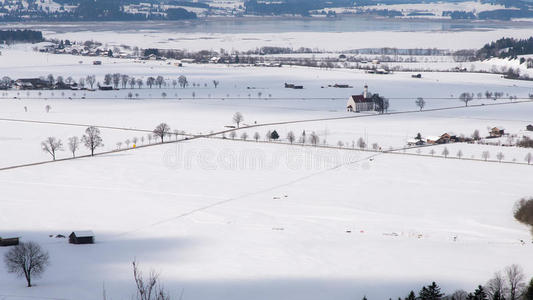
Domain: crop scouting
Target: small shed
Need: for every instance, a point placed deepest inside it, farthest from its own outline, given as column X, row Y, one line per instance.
column 9, row 242
column 529, row 127
column 81, row 237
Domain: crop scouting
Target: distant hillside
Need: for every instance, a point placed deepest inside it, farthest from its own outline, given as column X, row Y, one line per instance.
column 505, row 48
column 295, row 7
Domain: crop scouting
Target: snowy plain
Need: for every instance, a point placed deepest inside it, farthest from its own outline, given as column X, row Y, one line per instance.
column 240, row 220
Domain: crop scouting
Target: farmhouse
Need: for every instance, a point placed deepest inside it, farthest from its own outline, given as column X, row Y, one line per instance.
column 529, row 127
column 31, row 84
column 81, row 237
column 442, row 139
column 358, row 103
column 496, row 132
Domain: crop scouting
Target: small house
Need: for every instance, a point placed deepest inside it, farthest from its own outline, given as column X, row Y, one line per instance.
column 496, row 132
column 442, row 139
column 81, row 237
column 9, row 242
column 529, row 127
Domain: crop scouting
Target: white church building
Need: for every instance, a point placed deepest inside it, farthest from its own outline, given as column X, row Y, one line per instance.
column 358, row 103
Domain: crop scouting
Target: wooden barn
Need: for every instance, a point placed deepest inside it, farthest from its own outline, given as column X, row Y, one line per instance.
column 81, row 237
column 9, row 242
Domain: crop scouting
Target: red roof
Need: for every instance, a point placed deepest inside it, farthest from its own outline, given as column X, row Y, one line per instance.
column 360, row 99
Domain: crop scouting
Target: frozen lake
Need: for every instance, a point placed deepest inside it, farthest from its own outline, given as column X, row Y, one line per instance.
column 343, row 33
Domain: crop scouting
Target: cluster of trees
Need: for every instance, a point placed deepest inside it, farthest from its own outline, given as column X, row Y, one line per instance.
column 525, row 142
column 523, row 211
column 511, row 285
column 117, row 79
column 506, row 47
column 25, row 36
column 92, row 139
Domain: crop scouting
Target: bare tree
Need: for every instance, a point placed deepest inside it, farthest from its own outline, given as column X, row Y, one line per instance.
column 124, row 79
column 420, row 102
column 460, row 295
column 108, row 79
column 159, row 81
column 215, row 83
column 361, row 143
column 445, row 152
column 182, row 81
column 237, row 118
column 466, row 97
column 485, row 155
column 148, row 289
column 268, row 135
column 47, row 108
column 52, row 145
column 27, row 260
column 375, row 146
column 161, row 130
column 340, row 144
column 314, row 139
column 232, row 135
column 92, row 139
column 244, row 136
column 476, row 135
column 91, row 80
column 140, row 83
column 529, row 158
column 303, row 138
column 174, row 83
column 459, row 154
column 515, row 281
column 291, row 137
column 256, row 136
column 132, row 82
column 497, row 286
column 500, row 156
column 150, row 81
column 73, row 145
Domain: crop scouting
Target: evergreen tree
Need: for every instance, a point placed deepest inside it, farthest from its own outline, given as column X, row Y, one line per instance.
column 479, row 294
column 529, row 291
column 431, row 292
column 498, row 296
column 411, row 296
column 274, row 135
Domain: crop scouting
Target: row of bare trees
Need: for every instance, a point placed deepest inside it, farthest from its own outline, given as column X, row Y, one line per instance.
column 92, row 139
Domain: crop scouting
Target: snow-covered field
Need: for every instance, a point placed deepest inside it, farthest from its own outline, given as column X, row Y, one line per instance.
column 264, row 221
column 225, row 219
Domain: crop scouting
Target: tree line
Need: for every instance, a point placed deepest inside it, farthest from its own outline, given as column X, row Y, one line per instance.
column 26, row 36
